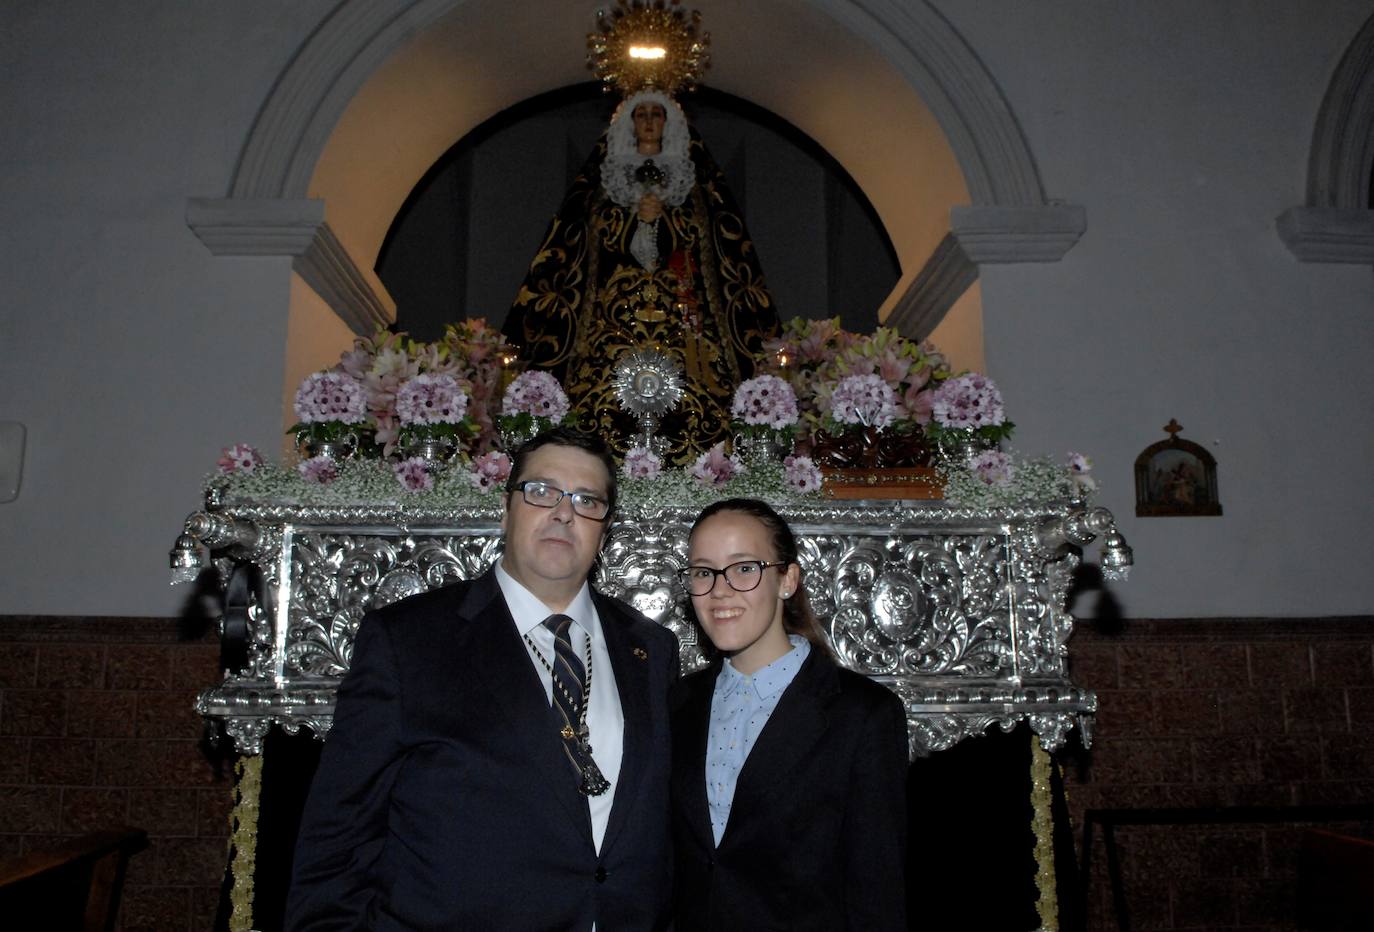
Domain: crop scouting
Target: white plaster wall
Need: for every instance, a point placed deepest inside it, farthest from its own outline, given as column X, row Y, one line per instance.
column 315, row 339
column 132, row 355
column 1184, row 129
column 129, row 352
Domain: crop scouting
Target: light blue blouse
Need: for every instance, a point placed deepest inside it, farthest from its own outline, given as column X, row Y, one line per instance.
column 740, row 707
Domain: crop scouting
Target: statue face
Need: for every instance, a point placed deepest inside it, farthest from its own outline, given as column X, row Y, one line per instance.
column 649, row 119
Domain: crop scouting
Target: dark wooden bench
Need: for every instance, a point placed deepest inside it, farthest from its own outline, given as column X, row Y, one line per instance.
column 1335, row 882
column 1109, row 819
column 73, row 887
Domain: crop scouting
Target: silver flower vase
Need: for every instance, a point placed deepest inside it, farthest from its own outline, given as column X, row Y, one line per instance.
column 956, row 449
column 766, row 448
column 337, row 450
column 511, row 439
column 433, row 450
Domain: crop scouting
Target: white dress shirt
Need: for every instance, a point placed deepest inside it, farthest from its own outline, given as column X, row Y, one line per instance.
column 605, row 721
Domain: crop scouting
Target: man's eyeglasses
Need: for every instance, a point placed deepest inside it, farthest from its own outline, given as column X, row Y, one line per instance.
column 743, row 576
column 543, row 495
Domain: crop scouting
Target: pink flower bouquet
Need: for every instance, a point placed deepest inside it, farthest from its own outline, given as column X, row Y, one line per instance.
column 389, row 394
column 967, row 411
column 713, row 468
column 490, row 471
column 533, row 402
column 802, row 474
column 433, row 407
column 239, row 458
column 864, row 400
column 641, row 463
column 764, row 401
column 331, row 407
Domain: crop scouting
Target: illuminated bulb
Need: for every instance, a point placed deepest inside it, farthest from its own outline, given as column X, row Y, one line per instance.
column 649, row 51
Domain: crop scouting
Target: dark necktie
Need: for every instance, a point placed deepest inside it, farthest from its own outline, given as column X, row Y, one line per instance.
column 570, row 699
column 569, row 673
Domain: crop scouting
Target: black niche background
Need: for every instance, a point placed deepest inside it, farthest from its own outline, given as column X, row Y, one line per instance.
column 462, row 241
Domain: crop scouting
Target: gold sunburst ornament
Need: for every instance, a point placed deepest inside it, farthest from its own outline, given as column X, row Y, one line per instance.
column 648, row 43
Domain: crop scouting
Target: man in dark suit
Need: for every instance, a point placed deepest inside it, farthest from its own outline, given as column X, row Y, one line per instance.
column 499, row 754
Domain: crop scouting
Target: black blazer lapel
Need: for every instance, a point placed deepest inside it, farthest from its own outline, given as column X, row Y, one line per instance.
column 691, row 724
column 793, row 730
column 632, row 680
column 503, row 665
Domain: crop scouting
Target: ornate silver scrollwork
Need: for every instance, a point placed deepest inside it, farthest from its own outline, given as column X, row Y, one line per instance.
column 247, row 733
column 338, row 577
column 960, row 612
column 907, row 604
column 640, row 565
column 1052, row 728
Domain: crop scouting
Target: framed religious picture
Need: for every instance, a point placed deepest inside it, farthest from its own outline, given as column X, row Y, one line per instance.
column 1175, row 478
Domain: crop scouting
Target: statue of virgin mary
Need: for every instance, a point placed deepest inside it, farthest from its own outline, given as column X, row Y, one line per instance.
column 647, row 252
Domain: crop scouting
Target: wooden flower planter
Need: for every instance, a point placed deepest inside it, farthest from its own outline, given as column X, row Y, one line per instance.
column 892, row 482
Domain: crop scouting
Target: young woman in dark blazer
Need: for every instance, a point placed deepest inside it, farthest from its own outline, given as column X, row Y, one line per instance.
column 789, row 772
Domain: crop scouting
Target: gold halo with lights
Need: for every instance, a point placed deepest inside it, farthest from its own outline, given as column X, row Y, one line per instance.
column 643, row 44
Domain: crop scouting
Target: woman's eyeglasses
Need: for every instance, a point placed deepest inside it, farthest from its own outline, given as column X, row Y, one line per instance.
column 743, row 576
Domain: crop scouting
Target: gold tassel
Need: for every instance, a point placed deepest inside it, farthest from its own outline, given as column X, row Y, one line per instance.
column 1042, row 823
column 243, row 824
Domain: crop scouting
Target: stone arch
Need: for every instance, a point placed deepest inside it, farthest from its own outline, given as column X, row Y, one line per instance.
column 1338, row 171
column 1336, row 223
column 269, row 209
column 286, row 139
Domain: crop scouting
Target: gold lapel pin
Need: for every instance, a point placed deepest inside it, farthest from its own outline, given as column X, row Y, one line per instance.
column 641, row 653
